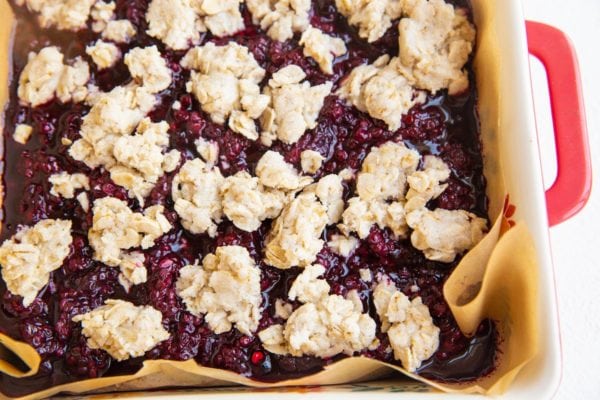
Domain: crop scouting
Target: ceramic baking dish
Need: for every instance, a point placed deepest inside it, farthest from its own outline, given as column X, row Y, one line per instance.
column 506, row 110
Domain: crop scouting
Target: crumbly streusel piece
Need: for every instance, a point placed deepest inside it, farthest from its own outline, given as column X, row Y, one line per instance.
column 280, row 19
column 295, row 105
column 45, row 76
column 436, row 41
column 196, row 192
column 226, row 289
column 31, row 254
column 413, row 336
column 225, row 80
column 122, row 329
column 324, row 326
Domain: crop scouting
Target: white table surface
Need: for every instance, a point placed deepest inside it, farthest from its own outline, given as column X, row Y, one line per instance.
column 576, row 242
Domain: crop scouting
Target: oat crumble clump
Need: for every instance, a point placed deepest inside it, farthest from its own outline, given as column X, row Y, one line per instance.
column 113, row 115
column 294, row 107
column 274, row 172
column 119, row 31
column 225, row 81
column 45, row 76
column 322, row 48
column 115, row 228
column 22, row 133
column 443, row 234
column 247, row 203
column 410, row 328
column 28, row 258
column 63, row 14
column 102, row 12
column 196, row 193
column 280, row 19
column 104, row 54
column 65, row 184
column 372, row 17
column 178, row 23
column 123, row 329
column 343, row 245
column 311, row 161
column 380, row 90
column 295, row 236
column 148, row 68
column 436, row 41
column 226, row 289
column 325, row 325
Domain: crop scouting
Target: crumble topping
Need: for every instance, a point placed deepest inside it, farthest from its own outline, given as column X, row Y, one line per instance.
column 133, row 271
column 247, row 203
column 442, row 234
column 119, row 31
column 294, row 106
column 31, row 254
column 178, row 23
column 354, row 297
column 324, row 326
column 347, row 174
column 222, row 18
column 436, row 41
column 372, row 17
column 148, row 68
column 413, row 336
column 384, row 170
column 226, row 289
column 283, row 310
column 45, row 76
column 22, row 133
column 426, row 184
column 140, row 158
column 208, row 151
column 360, row 216
column 274, row 172
column 104, row 54
column 116, row 228
column 175, row 23
column 196, row 192
column 329, row 191
column 322, row 48
column 311, row 161
column 343, row 245
column 295, row 237
column 113, row 115
column 225, row 81
column 380, row 90
column 282, row 18
column 123, row 329
column 101, row 13
column 84, row 201
column 365, row 274
column 65, row 184
column 63, row 14
column 135, row 162
column 308, row 288
column 382, row 178
column 382, row 189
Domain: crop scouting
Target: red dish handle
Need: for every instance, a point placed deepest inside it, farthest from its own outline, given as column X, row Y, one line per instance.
column 571, row 190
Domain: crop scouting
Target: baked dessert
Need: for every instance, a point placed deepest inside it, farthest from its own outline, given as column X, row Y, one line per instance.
column 261, row 186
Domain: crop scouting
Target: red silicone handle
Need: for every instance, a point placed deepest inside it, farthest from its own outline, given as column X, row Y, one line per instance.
column 573, row 184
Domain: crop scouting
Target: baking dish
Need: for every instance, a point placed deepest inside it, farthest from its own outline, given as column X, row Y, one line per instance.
column 504, row 107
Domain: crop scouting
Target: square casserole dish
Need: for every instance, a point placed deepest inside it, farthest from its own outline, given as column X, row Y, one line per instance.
column 507, row 114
